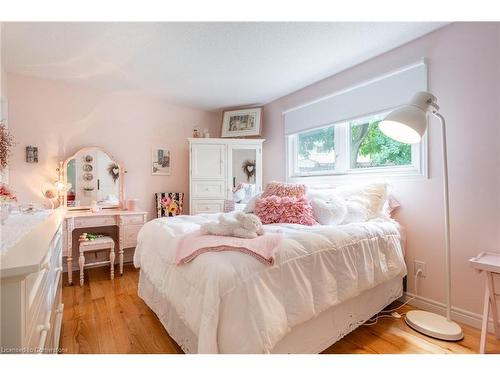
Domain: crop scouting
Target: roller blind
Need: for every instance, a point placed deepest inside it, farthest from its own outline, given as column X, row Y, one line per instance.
column 382, row 93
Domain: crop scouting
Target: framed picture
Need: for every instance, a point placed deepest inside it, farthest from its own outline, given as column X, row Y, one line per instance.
column 160, row 161
column 242, row 122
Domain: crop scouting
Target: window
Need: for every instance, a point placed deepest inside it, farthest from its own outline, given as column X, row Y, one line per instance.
column 371, row 148
column 352, row 147
column 316, row 151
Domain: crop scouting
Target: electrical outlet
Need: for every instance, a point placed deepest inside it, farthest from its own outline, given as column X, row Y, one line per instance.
column 419, row 266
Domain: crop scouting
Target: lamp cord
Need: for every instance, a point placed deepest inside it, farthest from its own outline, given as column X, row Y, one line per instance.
column 381, row 314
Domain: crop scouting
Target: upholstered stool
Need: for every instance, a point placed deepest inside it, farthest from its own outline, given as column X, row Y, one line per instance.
column 99, row 244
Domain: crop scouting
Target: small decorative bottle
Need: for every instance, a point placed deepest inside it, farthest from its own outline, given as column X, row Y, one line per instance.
column 94, row 208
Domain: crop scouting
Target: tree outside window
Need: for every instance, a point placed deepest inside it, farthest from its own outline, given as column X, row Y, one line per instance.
column 368, row 147
column 371, row 148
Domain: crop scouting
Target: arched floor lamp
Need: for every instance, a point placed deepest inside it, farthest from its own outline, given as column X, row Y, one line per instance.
column 408, row 124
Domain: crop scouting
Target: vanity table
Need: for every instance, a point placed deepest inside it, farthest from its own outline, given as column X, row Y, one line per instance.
column 128, row 222
column 92, row 177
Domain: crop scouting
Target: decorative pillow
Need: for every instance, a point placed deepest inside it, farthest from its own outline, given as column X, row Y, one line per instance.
column 324, row 194
column 239, row 195
column 371, row 196
column 275, row 209
column 391, row 205
column 169, row 204
column 356, row 213
column 243, row 192
column 331, row 211
column 282, row 189
column 249, row 208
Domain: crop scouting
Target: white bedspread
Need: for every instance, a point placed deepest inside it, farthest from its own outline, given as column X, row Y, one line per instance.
column 234, row 303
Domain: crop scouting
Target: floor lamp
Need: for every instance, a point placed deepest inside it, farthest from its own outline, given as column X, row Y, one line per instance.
column 408, row 124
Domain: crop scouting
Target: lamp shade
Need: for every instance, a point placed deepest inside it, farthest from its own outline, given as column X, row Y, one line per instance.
column 408, row 123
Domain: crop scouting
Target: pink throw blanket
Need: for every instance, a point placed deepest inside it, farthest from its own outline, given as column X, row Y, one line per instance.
column 261, row 248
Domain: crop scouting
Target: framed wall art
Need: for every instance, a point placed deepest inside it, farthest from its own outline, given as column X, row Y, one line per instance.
column 160, row 161
column 242, row 123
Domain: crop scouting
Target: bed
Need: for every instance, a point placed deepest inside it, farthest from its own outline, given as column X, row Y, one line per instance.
column 325, row 282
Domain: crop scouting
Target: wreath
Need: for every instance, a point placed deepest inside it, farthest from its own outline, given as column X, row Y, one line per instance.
column 114, row 171
column 249, row 168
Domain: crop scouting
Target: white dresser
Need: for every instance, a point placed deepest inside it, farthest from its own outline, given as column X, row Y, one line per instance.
column 216, row 167
column 31, row 298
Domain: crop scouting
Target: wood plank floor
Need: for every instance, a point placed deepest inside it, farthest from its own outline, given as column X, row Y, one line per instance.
column 107, row 316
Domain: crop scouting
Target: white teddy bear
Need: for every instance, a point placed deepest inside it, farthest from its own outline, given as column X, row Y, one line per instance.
column 239, row 225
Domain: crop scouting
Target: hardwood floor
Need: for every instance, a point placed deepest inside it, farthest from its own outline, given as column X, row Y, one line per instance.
column 107, row 316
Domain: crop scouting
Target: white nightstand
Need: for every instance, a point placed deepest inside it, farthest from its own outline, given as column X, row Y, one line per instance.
column 490, row 264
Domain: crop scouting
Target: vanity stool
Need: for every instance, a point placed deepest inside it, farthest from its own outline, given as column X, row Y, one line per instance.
column 99, row 244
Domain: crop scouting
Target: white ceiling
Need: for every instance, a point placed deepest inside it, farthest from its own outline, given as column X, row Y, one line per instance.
column 206, row 65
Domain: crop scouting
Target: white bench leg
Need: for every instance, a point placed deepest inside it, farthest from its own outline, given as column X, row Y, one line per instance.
column 81, row 263
column 112, row 262
column 69, row 262
column 120, row 252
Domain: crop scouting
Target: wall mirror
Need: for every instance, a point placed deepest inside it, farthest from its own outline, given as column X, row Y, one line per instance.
column 94, row 176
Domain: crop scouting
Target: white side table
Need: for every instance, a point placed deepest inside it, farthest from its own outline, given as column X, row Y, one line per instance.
column 490, row 264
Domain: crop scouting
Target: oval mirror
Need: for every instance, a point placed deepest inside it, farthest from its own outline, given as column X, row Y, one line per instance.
column 93, row 176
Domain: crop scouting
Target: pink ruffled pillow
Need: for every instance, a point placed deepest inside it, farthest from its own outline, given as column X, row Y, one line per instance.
column 274, row 209
column 282, row 189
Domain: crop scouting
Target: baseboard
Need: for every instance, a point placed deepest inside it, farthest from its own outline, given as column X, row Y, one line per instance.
column 457, row 314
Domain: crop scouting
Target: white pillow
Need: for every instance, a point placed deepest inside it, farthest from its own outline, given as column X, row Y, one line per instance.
column 239, row 195
column 251, row 204
column 331, row 211
column 356, row 213
column 324, row 194
column 250, row 192
column 243, row 193
column 370, row 196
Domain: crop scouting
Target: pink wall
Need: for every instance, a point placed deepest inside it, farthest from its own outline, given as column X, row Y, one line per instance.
column 464, row 73
column 61, row 118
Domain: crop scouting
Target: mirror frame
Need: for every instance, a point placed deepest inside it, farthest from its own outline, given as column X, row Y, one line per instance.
column 63, row 198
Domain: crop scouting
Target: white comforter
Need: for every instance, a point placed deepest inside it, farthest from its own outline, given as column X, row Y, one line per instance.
column 234, row 303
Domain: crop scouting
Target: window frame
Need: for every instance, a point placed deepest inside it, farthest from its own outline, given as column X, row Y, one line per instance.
column 343, row 169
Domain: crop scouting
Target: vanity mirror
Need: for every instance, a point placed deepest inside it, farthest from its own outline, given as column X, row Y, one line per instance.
column 94, row 176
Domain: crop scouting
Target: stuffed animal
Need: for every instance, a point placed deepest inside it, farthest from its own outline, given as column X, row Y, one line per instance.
column 239, row 225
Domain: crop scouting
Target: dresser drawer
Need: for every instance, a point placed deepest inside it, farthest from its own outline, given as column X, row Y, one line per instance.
column 208, row 189
column 52, row 341
column 41, row 283
column 40, row 334
column 39, row 318
column 36, row 288
column 129, row 237
column 95, row 221
column 132, row 219
column 207, row 206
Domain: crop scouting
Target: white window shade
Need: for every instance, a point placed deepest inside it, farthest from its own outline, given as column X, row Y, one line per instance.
column 383, row 93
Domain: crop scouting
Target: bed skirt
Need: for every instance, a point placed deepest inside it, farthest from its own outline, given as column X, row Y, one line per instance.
column 310, row 337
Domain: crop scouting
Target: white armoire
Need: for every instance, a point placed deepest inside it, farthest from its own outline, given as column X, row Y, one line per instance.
column 216, row 168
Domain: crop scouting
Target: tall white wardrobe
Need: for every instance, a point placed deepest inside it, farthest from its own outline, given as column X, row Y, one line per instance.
column 216, row 167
